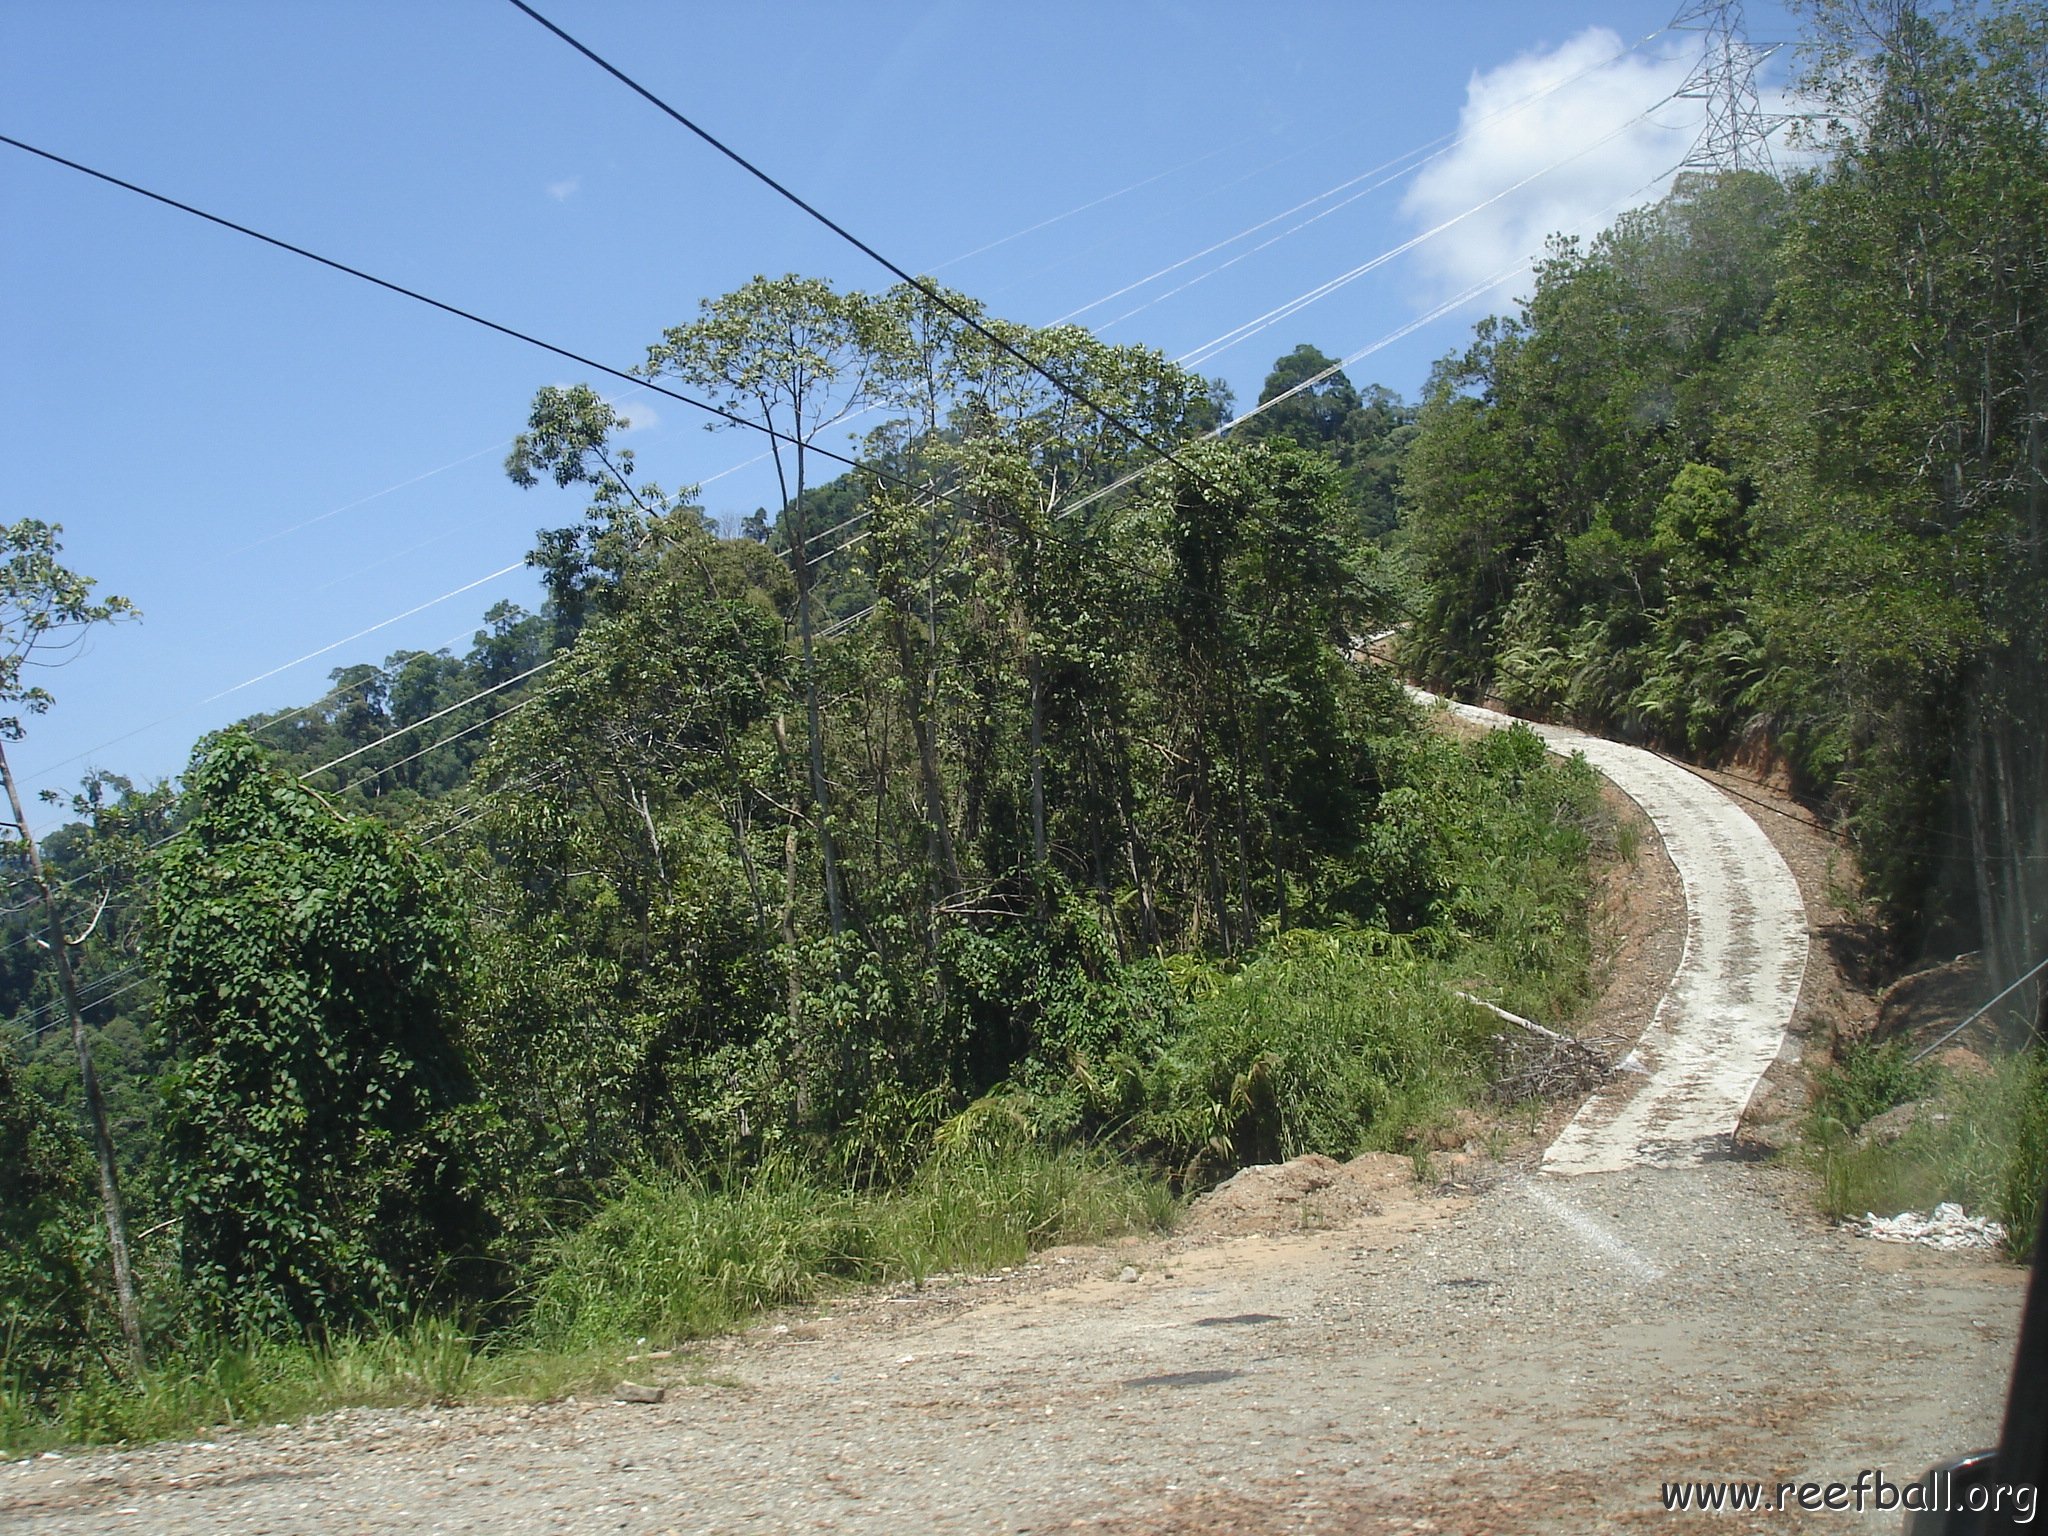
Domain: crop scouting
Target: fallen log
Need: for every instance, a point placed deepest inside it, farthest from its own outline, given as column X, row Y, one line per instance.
column 1561, row 1065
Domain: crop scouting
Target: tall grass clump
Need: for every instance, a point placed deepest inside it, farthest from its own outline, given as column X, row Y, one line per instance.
column 1980, row 1139
column 214, row 1382
column 990, row 1195
column 1483, row 851
column 1331, row 1042
column 677, row 1256
column 2025, row 1178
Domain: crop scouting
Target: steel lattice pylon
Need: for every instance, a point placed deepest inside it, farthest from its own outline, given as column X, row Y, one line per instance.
column 1737, row 133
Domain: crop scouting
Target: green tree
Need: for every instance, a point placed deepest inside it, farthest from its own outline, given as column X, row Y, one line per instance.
column 568, row 438
column 44, row 611
column 46, row 1292
column 1897, row 426
column 1545, row 451
column 1366, row 436
column 624, row 880
column 1072, row 707
column 789, row 354
column 108, row 848
column 314, row 1123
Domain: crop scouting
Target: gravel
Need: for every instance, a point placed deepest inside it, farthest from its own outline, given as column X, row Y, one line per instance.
column 1538, row 1354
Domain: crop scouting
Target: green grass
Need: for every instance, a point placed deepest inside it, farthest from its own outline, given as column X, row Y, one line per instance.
column 1981, row 1141
column 222, row 1384
column 1326, row 1042
column 670, row 1259
column 676, row 1258
column 1863, row 1082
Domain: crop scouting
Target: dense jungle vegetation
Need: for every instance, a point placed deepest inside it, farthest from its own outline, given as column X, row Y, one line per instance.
column 822, row 902
column 1007, row 834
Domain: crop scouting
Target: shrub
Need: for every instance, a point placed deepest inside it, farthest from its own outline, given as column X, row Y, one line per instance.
column 314, row 1122
column 1326, row 1042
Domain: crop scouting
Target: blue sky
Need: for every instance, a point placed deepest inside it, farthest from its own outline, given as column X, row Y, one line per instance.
column 268, row 458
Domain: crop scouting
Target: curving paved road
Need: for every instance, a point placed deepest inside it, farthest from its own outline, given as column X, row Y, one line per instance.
column 1723, row 1021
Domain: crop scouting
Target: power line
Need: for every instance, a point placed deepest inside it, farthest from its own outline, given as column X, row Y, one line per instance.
column 1107, row 197
column 1456, row 301
column 341, row 689
column 464, row 814
column 361, row 501
column 433, row 746
column 471, row 811
column 1416, row 158
column 433, row 303
column 840, row 626
column 1266, row 244
column 261, row 677
column 1207, row 194
column 573, row 356
column 74, row 881
column 438, row 714
column 936, row 296
column 344, row 268
column 337, row 692
column 284, row 719
column 1211, row 348
column 52, row 1006
column 1240, row 333
column 1164, row 454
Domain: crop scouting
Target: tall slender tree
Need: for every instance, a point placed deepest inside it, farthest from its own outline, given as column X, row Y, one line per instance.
column 45, row 610
column 791, row 354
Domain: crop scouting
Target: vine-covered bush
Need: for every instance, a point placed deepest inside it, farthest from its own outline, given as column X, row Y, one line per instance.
column 313, row 1122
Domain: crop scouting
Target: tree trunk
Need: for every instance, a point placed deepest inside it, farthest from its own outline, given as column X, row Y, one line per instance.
column 95, row 1106
column 1038, row 846
column 814, row 723
column 938, row 818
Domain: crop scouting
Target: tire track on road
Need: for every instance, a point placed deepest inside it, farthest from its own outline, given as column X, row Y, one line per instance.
column 1722, row 1021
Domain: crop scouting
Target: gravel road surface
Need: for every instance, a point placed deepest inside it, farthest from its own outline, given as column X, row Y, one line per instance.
column 1537, row 1355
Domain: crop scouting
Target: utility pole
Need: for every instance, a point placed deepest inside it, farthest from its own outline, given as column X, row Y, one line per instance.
column 1737, row 133
column 61, row 945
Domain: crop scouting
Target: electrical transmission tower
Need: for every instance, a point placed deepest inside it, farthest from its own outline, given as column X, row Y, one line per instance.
column 1737, row 133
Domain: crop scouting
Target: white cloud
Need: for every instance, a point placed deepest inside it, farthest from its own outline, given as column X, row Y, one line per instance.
column 561, row 191
column 639, row 415
column 1612, row 154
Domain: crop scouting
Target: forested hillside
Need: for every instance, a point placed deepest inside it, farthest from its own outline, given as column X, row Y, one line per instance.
column 1763, row 468
column 1005, row 837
